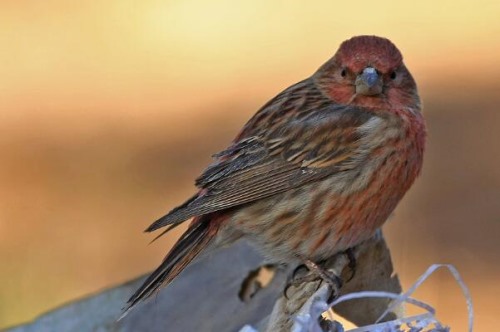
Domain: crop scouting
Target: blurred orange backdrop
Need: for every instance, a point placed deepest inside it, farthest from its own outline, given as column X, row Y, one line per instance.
column 109, row 109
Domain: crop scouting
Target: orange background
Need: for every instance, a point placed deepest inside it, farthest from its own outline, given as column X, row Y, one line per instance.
column 110, row 109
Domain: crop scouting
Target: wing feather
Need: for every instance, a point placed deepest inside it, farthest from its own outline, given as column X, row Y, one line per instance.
column 272, row 158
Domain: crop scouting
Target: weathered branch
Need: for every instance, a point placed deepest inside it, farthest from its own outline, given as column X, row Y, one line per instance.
column 205, row 297
column 373, row 271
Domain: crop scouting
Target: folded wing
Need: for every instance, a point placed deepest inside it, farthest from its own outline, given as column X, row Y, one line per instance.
column 299, row 150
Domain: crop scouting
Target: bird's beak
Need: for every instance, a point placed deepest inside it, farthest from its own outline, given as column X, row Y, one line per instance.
column 368, row 82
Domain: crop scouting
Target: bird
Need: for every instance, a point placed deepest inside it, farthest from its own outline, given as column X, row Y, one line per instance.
column 317, row 170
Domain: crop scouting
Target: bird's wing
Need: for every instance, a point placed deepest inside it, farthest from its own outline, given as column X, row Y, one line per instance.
column 303, row 149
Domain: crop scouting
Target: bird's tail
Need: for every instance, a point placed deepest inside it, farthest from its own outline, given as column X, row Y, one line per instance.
column 199, row 234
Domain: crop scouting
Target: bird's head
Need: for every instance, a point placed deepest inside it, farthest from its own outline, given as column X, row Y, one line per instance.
column 368, row 71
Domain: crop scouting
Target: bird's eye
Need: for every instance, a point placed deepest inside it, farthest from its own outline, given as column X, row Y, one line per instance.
column 393, row 75
column 343, row 73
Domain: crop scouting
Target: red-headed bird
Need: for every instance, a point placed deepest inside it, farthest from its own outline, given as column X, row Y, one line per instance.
column 317, row 170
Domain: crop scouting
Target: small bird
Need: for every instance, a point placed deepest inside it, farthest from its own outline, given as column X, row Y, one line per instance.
column 316, row 171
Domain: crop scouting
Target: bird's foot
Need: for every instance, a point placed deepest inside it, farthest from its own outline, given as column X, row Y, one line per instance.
column 333, row 281
column 310, row 272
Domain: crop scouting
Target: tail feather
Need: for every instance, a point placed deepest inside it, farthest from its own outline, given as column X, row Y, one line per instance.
column 193, row 241
column 168, row 229
column 176, row 216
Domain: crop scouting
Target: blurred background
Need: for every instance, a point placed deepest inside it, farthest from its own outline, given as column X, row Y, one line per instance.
column 110, row 109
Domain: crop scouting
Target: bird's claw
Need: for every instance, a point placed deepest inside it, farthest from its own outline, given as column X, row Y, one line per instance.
column 352, row 263
column 309, row 272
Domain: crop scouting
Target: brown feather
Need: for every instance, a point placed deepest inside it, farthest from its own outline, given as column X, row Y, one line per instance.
column 315, row 171
column 250, row 169
column 199, row 234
